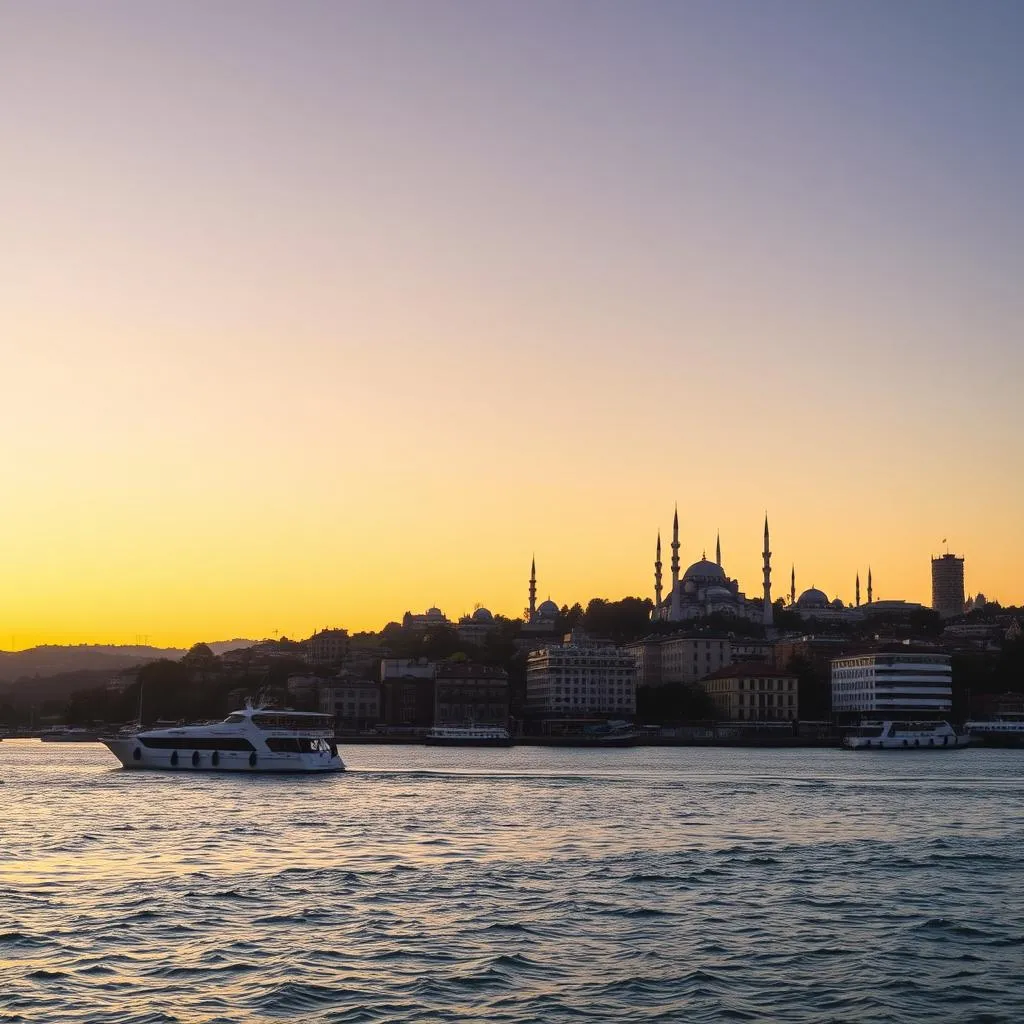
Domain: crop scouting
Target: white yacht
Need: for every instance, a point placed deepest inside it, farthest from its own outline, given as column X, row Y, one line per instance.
column 905, row 735
column 468, row 736
column 251, row 740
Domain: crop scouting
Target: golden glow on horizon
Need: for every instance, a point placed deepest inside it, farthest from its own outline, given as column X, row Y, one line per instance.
column 319, row 346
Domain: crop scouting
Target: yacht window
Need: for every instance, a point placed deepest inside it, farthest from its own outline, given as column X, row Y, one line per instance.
column 196, row 742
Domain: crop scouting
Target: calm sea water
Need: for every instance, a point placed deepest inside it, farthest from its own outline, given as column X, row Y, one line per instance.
column 520, row 885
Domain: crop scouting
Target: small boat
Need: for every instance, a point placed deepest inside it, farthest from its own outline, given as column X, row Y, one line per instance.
column 905, row 735
column 62, row 734
column 468, row 736
column 252, row 740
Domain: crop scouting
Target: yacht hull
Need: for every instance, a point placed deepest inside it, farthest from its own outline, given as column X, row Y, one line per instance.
column 133, row 754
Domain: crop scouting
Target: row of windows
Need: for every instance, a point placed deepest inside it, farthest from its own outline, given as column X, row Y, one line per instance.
column 767, row 699
column 196, row 742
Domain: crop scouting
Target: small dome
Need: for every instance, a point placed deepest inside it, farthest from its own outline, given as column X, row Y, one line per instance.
column 435, row 613
column 717, row 593
column 812, row 598
column 482, row 615
column 838, row 603
column 705, row 572
column 547, row 609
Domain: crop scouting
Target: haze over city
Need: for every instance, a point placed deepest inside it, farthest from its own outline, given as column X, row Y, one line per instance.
column 314, row 314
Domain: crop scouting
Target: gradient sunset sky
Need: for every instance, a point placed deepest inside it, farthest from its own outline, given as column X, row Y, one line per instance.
column 315, row 312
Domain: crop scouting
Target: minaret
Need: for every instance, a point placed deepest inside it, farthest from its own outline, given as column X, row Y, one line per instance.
column 792, row 585
column 869, row 585
column 533, row 589
column 718, row 548
column 858, row 590
column 766, row 617
column 657, row 576
column 676, row 611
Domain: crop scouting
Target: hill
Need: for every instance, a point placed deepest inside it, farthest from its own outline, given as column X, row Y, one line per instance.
column 52, row 659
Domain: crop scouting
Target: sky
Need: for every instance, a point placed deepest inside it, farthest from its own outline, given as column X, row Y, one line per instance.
column 312, row 313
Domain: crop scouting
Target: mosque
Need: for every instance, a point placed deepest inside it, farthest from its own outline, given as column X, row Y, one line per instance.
column 540, row 620
column 705, row 589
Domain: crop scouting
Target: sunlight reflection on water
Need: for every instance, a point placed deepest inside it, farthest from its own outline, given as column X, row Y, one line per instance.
column 517, row 885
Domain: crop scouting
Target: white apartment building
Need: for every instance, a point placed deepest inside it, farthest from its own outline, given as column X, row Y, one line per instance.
column 574, row 680
column 892, row 681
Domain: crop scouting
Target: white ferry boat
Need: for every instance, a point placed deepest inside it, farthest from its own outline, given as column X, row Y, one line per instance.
column 905, row 736
column 251, row 740
column 998, row 732
column 468, row 736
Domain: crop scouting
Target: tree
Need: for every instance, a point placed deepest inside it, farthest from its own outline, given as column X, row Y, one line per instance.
column 618, row 620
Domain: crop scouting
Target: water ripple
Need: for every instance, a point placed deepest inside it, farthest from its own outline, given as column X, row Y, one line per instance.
column 513, row 886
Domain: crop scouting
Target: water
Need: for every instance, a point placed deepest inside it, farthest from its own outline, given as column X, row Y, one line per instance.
column 515, row 885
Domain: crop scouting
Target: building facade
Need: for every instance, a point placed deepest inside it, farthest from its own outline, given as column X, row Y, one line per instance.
column 646, row 655
column 577, row 681
column 432, row 618
column 687, row 658
column 948, row 585
column 892, row 682
column 407, row 693
column 355, row 704
column 327, row 647
column 753, row 692
column 470, row 694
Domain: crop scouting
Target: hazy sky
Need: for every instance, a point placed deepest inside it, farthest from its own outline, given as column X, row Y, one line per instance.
column 313, row 313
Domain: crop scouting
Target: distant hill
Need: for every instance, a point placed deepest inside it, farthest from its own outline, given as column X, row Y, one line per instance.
column 220, row 646
column 53, row 660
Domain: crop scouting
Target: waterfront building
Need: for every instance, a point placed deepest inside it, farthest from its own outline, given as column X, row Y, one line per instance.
column 470, row 694
column 302, row 691
column 948, row 585
column 646, row 655
column 750, row 649
column 576, row 681
column 406, row 668
column 327, row 647
column 355, row 703
column 705, row 589
column 688, row 657
column 407, row 693
column 900, row 680
column 753, row 692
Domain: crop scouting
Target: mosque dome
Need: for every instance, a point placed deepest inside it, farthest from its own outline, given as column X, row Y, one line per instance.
column 435, row 613
column 705, row 572
column 717, row 593
column 812, row 598
column 482, row 615
column 838, row 603
column 547, row 609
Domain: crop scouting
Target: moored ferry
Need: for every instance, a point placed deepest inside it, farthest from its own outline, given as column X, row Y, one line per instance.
column 468, row 736
column 904, row 735
column 998, row 732
column 251, row 740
